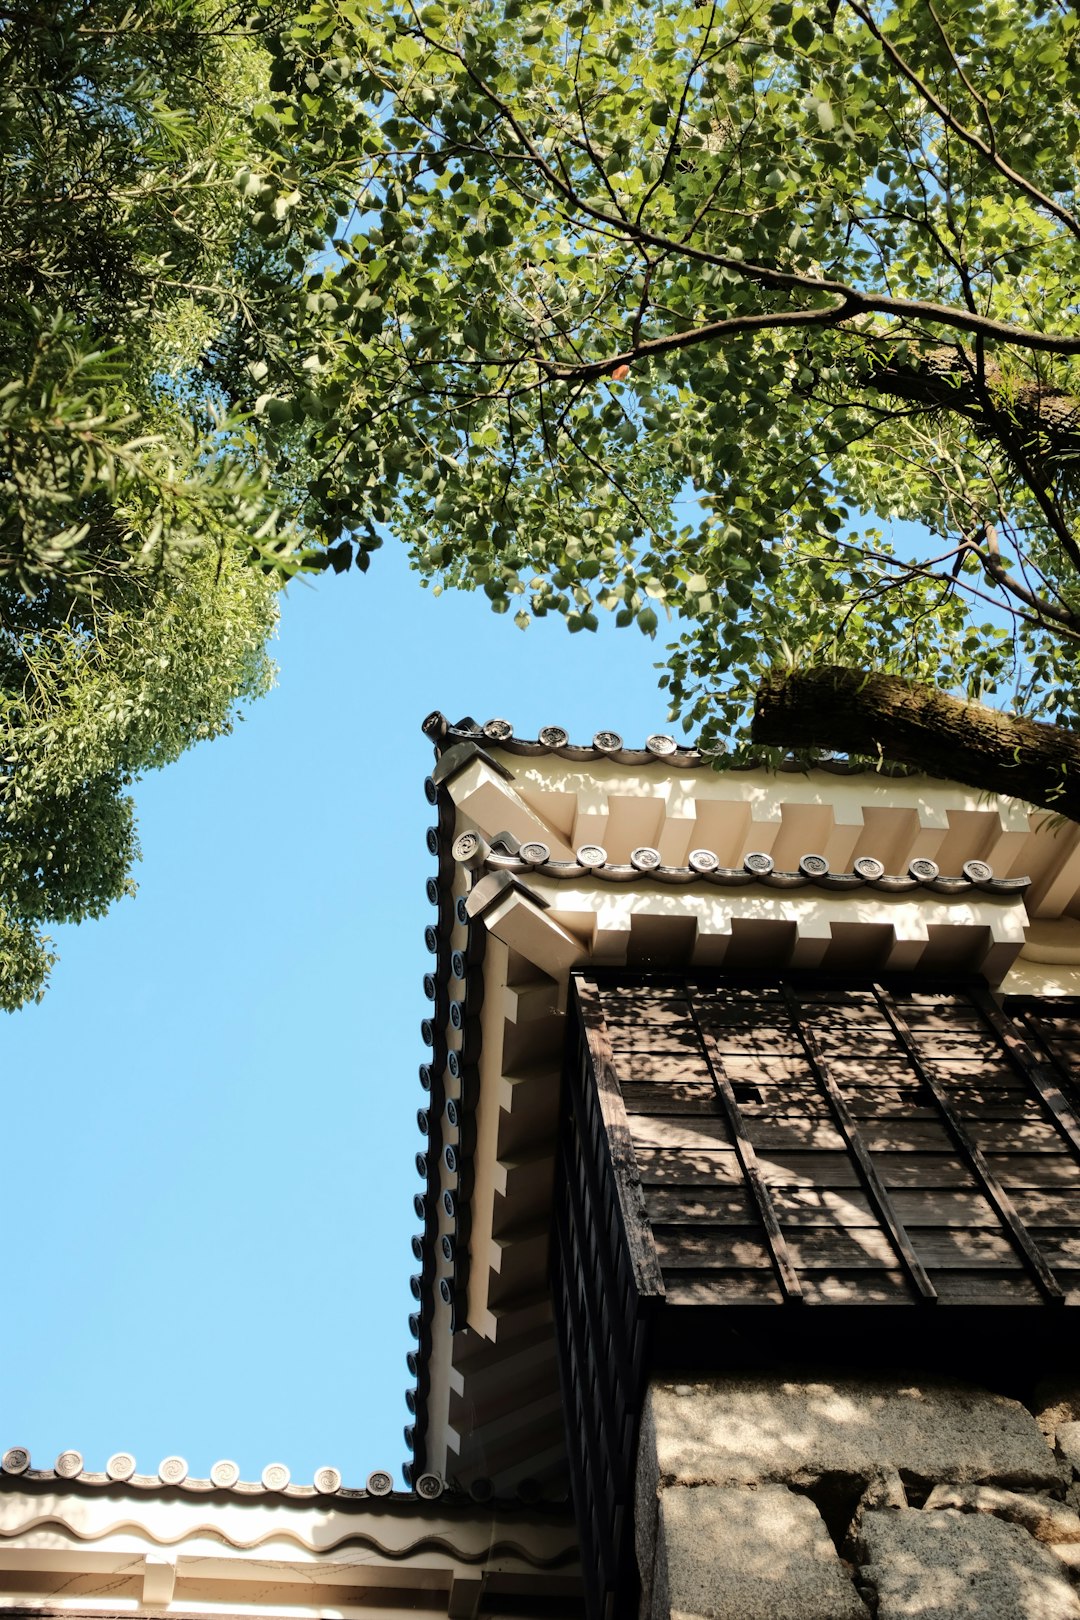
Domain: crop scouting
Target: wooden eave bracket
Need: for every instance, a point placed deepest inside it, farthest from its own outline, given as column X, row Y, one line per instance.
column 491, row 888
column 159, row 1580
column 448, row 765
column 518, row 917
column 485, row 795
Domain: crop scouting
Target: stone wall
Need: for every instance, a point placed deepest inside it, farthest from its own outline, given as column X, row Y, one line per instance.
column 773, row 1498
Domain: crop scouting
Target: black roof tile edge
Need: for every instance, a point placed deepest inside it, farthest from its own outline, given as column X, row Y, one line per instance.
column 438, row 937
column 440, row 1495
column 816, row 875
column 94, row 1482
column 660, row 749
column 464, row 1056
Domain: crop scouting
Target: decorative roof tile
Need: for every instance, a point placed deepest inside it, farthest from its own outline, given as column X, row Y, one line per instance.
column 449, row 736
column 494, row 872
column 172, row 1473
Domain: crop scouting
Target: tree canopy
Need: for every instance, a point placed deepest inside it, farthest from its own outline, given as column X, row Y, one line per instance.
column 137, row 302
column 760, row 313
column 758, row 318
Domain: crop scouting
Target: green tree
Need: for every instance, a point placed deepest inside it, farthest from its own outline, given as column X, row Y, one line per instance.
column 651, row 308
column 130, row 679
column 152, row 271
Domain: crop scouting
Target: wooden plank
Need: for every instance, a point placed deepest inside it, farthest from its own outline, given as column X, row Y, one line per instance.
column 857, row 1045
column 707, row 1248
column 977, row 1287
column 983, row 1103
column 1038, row 1072
column 747, row 1154
column 811, row 1248
column 927, row 1206
column 877, row 1102
column 661, row 1068
column 850, row 1208
column 1016, row 1170
column 713, row 1206
column 857, row 1287
column 846, row 1207
column 1015, row 1135
column 982, row 1167
column 941, row 1047
column 988, row 1074
column 910, row 1170
column 621, row 1015
column 841, row 1013
column 669, row 1097
column 791, row 1133
column 905, row 1136
column 636, row 1228
column 679, row 1131
column 1046, row 1207
column 1064, row 1025
column 668, row 1165
column 631, row 1039
column 799, row 1096
column 766, row 1135
column 766, row 1070
column 1061, row 1248
column 760, row 1041
column 959, row 1018
column 895, row 1170
column 730, row 1288
column 871, row 1178
column 980, row 1247
column 835, row 995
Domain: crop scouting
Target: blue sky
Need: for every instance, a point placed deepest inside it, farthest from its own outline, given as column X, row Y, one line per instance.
column 212, row 1115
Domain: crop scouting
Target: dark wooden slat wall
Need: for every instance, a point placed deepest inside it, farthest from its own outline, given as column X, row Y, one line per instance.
column 910, row 1142
column 606, row 1275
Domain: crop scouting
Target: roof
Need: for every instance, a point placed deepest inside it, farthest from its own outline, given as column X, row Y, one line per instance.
column 172, row 1474
column 610, row 745
column 81, row 1547
column 552, row 857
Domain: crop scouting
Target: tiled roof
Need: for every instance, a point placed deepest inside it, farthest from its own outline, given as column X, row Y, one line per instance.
column 93, row 1545
column 659, row 748
column 507, row 854
column 172, row 1472
column 439, row 1156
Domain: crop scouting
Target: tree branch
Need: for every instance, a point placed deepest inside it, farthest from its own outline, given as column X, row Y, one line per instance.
column 760, row 275
column 652, row 348
column 990, row 558
column 969, row 136
column 858, row 711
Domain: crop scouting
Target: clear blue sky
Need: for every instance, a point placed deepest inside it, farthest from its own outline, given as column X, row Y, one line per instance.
column 212, row 1115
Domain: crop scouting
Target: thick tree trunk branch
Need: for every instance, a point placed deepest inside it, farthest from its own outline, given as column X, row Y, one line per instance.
column 1045, row 418
column 858, row 711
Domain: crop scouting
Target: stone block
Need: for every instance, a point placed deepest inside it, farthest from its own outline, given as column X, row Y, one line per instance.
column 759, row 1554
column 741, row 1430
column 885, row 1490
column 1068, row 1444
column 1057, row 1401
column 961, row 1566
column 1069, row 1553
column 646, row 1506
column 1046, row 1520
